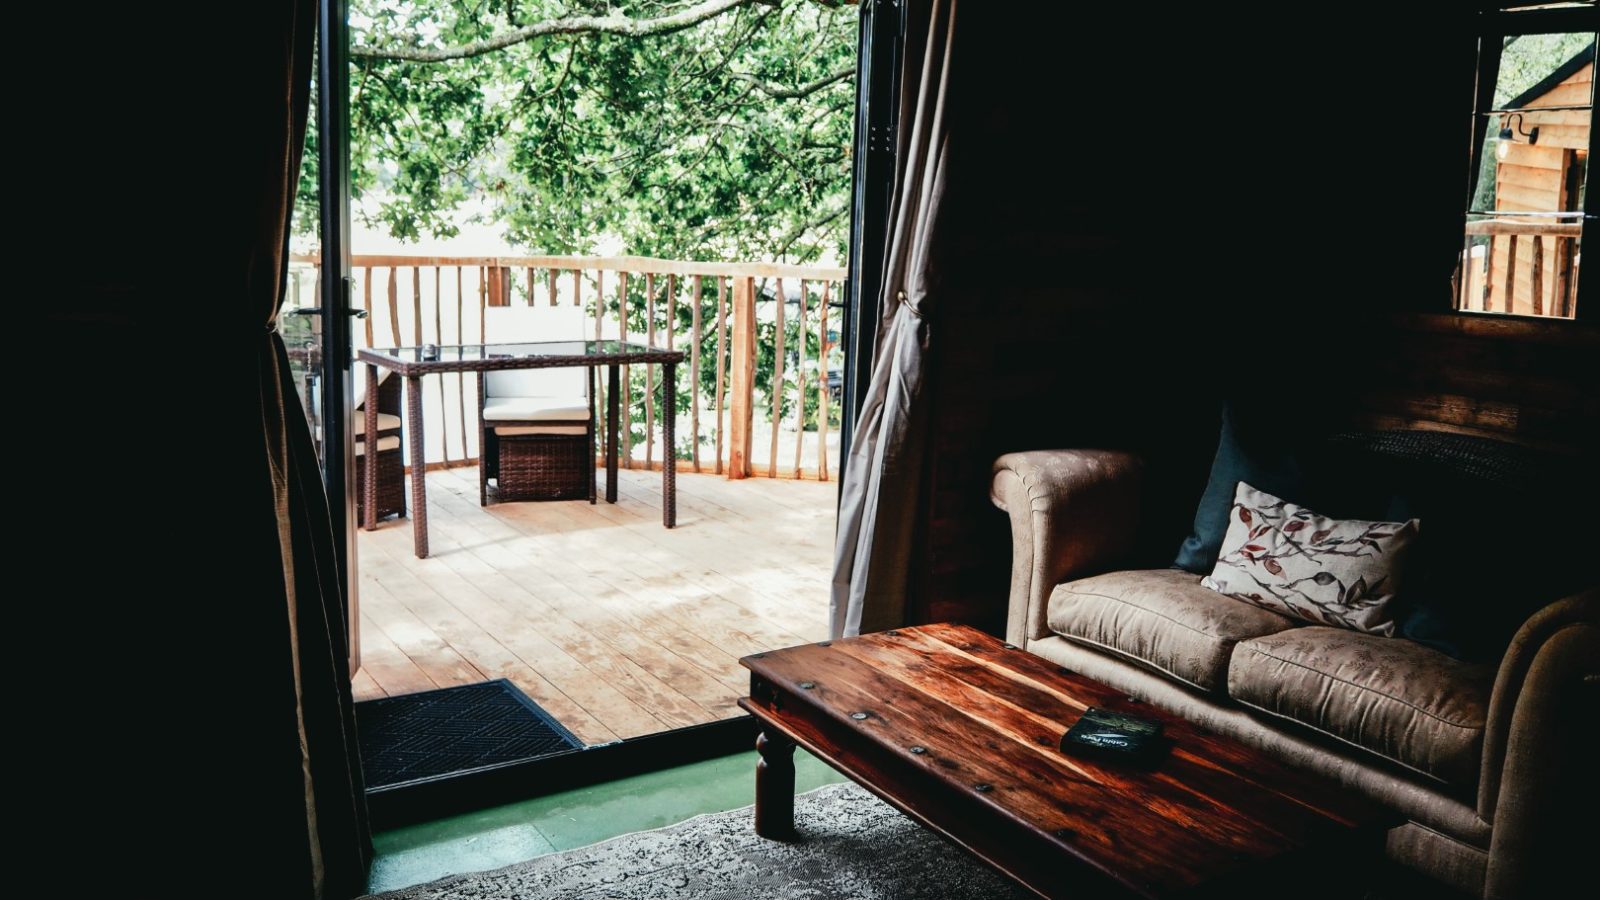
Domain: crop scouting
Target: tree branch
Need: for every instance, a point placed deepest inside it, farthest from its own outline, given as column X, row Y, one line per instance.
column 779, row 92
column 799, row 231
column 614, row 23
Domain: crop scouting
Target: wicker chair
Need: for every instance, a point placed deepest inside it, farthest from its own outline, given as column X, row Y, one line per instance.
column 390, row 466
column 536, row 426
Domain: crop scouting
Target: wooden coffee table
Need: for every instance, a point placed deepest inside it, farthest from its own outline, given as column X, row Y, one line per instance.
column 962, row 734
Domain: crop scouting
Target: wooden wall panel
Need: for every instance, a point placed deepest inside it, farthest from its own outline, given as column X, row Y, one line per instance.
column 1113, row 320
column 1098, row 311
column 1532, row 382
column 1575, row 118
column 1535, row 156
column 1546, row 179
column 1570, row 137
column 1574, row 91
column 1515, row 197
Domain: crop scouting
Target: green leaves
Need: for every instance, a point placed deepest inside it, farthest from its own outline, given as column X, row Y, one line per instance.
column 727, row 140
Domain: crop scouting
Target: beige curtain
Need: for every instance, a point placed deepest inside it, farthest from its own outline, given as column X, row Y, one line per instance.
column 879, row 498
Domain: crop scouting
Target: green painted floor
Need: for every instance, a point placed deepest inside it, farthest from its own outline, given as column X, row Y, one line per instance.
column 503, row 835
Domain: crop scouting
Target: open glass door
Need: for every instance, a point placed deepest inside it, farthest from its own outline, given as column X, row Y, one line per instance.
column 332, row 98
column 333, row 188
column 316, row 309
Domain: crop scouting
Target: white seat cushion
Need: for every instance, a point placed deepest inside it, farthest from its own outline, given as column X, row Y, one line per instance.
column 514, row 430
column 386, row 422
column 535, row 409
column 384, row 443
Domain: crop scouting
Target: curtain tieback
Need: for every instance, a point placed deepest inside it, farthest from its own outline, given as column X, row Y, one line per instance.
column 901, row 296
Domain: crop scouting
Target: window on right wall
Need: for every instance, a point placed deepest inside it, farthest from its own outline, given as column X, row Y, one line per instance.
column 1523, row 252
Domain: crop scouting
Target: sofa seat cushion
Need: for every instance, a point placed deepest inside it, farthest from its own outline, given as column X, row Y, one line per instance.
column 1160, row 618
column 1408, row 703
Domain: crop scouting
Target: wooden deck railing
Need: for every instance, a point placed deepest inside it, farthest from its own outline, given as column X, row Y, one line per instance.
column 727, row 316
column 1522, row 265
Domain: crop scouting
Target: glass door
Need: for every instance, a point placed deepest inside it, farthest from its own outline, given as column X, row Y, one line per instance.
column 333, row 172
column 317, row 310
column 301, row 327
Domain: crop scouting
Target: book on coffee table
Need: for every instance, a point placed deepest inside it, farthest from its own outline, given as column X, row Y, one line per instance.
column 1113, row 735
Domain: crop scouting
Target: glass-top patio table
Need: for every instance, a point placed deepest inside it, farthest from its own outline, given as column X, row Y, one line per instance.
column 411, row 363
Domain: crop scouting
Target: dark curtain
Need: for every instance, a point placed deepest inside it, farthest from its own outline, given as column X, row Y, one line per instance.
column 188, row 712
column 318, row 738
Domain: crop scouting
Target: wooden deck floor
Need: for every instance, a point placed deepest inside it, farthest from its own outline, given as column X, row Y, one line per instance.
column 612, row 623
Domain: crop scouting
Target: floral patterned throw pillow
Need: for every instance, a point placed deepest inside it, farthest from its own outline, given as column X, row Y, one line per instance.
column 1290, row 560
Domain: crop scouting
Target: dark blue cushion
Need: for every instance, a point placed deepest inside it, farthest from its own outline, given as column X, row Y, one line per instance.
column 1259, row 456
column 1283, row 457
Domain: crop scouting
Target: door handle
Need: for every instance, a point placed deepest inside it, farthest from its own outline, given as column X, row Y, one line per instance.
column 317, row 311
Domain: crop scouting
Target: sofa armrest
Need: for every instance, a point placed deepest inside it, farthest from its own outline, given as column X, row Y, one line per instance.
column 1072, row 512
column 1538, row 748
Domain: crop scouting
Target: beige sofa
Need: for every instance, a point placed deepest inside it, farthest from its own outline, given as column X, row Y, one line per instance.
column 1488, row 766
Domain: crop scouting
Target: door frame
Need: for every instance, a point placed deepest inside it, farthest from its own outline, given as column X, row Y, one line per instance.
column 880, row 46
column 333, row 170
column 881, row 43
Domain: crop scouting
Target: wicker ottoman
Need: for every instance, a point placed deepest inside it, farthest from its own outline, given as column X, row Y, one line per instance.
column 544, row 467
column 391, row 480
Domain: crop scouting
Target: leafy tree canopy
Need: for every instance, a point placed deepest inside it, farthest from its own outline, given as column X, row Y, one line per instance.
column 688, row 129
column 1527, row 59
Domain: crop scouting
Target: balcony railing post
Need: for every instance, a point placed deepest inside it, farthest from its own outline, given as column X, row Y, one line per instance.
column 741, row 405
column 496, row 293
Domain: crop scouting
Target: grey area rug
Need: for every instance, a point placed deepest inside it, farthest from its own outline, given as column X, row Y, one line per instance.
column 851, row 846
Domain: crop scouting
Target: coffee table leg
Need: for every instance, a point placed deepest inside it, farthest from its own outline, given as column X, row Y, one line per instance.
column 419, row 467
column 775, row 786
column 614, row 387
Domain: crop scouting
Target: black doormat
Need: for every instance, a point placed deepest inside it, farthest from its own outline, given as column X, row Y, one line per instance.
column 419, row 736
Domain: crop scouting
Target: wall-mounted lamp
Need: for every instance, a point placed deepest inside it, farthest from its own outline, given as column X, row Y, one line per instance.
column 1508, row 136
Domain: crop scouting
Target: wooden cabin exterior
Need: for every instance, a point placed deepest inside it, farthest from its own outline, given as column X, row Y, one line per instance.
column 1532, row 261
